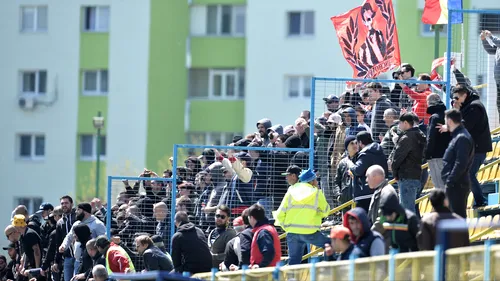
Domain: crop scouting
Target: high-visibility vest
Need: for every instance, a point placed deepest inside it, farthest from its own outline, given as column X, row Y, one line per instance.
column 122, row 252
column 302, row 209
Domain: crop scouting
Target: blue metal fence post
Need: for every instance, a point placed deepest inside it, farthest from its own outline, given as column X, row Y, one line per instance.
column 352, row 267
column 214, row 271
column 244, row 269
column 311, row 125
column 392, row 264
column 448, row 59
column 276, row 273
column 312, row 269
column 487, row 260
column 108, row 207
column 173, row 193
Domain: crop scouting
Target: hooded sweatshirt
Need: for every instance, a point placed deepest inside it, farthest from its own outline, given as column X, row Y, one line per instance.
column 82, row 232
column 96, row 226
column 370, row 155
column 190, row 250
column 267, row 124
column 403, row 240
column 370, row 243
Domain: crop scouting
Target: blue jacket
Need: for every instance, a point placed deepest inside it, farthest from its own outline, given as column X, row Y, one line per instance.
column 364, row 241
column 372, row 154
column 458, row 158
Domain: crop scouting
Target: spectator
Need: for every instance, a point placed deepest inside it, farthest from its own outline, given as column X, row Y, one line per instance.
column 407, row 72
column 266, row 247
column 351, row 121
column 11, row 266
column 402, row 236
column 361, row 117
column 30, row 243
column 457, row 160
column 190, row 252
column 380, row 103
column 97, row 257
column 232, row 253
column 117, row 259
column 50, row 255
column 262, row 126
column 436, row 142
column 375, row 177
column 204, row 186
column 391, row 120
column 262, row 168
column 427, row 235
column 302, row 131
column 216, row 171
column 3, row 268
column 221, row 235
column 161, row 211
column 33, row 221
column 491, row 45
column 300, row 215
column 475, row 120
column 100, row 273
column 370, row 154
column 419, row 97
column 332, row 103
column 65, row 259
column 292, row 177
column 406, row 160
column 338, row 147
column 370, row 243
column 83, row 235
column 343, row 188
column 154, row 258
column 341, row 244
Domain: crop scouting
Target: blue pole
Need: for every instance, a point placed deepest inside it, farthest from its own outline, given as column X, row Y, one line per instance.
column 108, row 208
column 214, row 271
column 352, row 267
column 392, row 264
column 311, row 125
column 244, row 269
column 276, row 273
column 312, row 270
column 448, row 58
column 174, row 195
column 487, row 260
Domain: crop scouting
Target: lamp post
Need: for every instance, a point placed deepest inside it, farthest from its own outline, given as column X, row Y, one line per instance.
column 98, row 122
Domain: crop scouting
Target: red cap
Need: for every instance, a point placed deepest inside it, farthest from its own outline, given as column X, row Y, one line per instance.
column 339, row 232
column 238, row 221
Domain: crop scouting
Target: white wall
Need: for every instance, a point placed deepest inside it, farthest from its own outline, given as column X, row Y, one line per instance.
column 57, row 51
column 271, row 55
column 128, row 98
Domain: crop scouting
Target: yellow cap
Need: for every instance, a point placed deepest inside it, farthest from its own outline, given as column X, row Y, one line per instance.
column 19, row 221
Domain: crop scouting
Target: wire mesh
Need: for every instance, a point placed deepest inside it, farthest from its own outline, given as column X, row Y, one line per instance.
column 374, row 268
column 327, row 271
column 465, row 263
column 475, row 55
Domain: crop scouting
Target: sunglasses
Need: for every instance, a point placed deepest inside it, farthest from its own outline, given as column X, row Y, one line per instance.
column 220, row 216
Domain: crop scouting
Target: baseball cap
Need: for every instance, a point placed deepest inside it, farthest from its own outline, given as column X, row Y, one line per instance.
column 19, row 221
column 339, row 232
column 289, row 129
column 292, row 169
column 46, row 206
column 331, row 97
column 102, row 241
column 10, row 246
column 307, row 176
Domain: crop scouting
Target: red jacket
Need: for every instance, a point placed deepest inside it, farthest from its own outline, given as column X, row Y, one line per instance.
column 256, row 256
column 117, row 260
column 419, row 103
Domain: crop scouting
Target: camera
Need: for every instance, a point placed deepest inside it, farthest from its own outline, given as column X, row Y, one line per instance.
column 396, row 74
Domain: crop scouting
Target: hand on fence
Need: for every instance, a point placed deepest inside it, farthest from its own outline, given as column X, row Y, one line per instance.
column 233, row 267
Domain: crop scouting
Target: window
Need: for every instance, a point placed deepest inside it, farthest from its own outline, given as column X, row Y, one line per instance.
column 96, row 19
column 31, row 146
column 88, row 147
column 95, row 82
column 34, row 19
column 300, row 23
column 217, row 84
column 225, row 20
column 31, row 203
column 298, row 86
column 210, row 138
column 427, row 30
column 34, row 82
column 489, row 22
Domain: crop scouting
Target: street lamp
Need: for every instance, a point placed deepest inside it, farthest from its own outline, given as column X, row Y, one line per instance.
column 98, row 122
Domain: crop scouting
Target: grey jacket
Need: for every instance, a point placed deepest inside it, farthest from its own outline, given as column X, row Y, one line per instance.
column 96, row 226
column 494, row 50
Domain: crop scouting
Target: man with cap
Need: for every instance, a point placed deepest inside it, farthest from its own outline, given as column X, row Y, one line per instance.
column 292, row 174
column 10, row 273
column 343, row 181
column 340, row 244
column 83, row 216
column 117, row 259
column 370, row 153
column 300, row 215
column 207, row 157
column 332, row 103
column 30, row 243
column 233, row 250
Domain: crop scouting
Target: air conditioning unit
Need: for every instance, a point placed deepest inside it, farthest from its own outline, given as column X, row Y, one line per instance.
column 26, row 102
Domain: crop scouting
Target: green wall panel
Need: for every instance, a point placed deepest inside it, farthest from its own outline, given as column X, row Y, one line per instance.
column 167, row 85
column 215, row 2
column 207, row 116
column 88, row 106
column 218, row 52
column 94, row 50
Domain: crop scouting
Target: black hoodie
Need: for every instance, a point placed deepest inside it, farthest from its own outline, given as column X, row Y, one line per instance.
column 405, row 241
column 190, row 250
column 436, row 142
column 476, row 122
column 82, row 232
column 408, row 155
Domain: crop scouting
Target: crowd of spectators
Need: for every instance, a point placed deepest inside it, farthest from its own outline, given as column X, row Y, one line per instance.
column 366, row 137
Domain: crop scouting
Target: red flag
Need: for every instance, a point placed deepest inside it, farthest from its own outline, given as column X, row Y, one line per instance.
column 368, row 38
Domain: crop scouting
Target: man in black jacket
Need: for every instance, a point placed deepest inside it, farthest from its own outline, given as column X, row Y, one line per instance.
column 154, row 258
column 63, row 227
column 407, row 160
column 458, row 159
column 380, row 103
column 436, row 142
column 476, row 122
column 190, row 250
